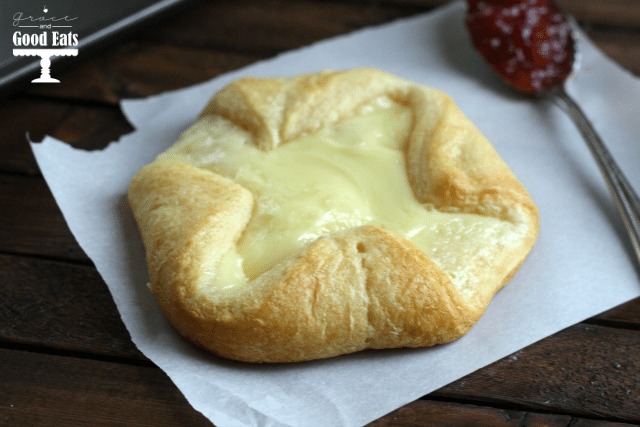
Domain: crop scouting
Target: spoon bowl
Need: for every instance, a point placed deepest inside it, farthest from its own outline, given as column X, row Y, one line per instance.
column 531, row 45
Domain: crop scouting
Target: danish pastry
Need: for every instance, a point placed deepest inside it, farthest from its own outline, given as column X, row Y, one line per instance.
column 308, row 217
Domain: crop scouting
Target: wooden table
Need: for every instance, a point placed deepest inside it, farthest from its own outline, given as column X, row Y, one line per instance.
column 65, row 356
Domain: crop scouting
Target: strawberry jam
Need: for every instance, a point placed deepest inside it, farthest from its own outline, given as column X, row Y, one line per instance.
column 527, row 42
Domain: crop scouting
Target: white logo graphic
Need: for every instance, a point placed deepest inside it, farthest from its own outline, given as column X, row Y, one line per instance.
column 29, row 43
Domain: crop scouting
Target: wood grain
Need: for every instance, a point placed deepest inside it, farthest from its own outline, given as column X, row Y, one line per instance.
column 88, row 127
column 588, row 370
column 267, row 28
column 449, row 414
column 67, row 359
column 627, row 315
column 60, row 306
column 46, row 390
column 140, row 69
column 16, row 123
column 620, row 13
column 54, row 305
column 68, row 308
column 31, row 221
column 49, row 390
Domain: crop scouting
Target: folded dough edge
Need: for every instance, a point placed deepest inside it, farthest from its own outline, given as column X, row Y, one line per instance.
column 357, row 289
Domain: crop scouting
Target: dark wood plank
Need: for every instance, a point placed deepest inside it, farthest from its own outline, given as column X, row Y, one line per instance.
column 621, row 46
column 86, row 80
column 48, row 390
column 43, row 390
column 91, row 127
column 61, row 306
column 142, row 69
column 621, row 13
column 32, row 222
column 272, row 26
column 452, row 414
column 139, row 69
column 586, row 370
column 87, row 127
column 18, row 118
column 206, row 40
column 626, row 314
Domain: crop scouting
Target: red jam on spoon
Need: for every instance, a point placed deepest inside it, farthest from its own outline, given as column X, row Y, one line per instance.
column 527, row 42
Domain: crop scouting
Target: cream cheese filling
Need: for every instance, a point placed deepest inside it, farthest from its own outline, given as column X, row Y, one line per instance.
column 340, row 177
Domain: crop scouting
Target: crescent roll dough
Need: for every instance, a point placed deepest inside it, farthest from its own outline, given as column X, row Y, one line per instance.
column 308, row 217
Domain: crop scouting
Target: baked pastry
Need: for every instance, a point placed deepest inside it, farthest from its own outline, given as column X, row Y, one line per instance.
column 307, row 217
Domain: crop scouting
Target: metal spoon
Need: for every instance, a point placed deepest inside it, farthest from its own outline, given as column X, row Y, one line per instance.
column 624, row 196
column 552, row 85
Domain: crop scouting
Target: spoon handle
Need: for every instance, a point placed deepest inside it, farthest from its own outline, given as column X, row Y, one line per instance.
column 624, row 196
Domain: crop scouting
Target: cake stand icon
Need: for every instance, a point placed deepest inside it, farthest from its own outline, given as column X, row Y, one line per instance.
column 45, row 61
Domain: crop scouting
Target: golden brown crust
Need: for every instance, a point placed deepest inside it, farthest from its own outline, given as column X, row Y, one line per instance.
column 361, row 288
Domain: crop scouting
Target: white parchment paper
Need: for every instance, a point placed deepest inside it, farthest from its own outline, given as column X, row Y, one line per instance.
column 580, row 266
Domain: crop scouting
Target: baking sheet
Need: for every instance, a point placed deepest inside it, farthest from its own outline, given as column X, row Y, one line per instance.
column 579, row 267
column 94, row 23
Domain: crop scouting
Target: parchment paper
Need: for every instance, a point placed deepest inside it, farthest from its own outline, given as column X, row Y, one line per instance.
column 580, row 266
